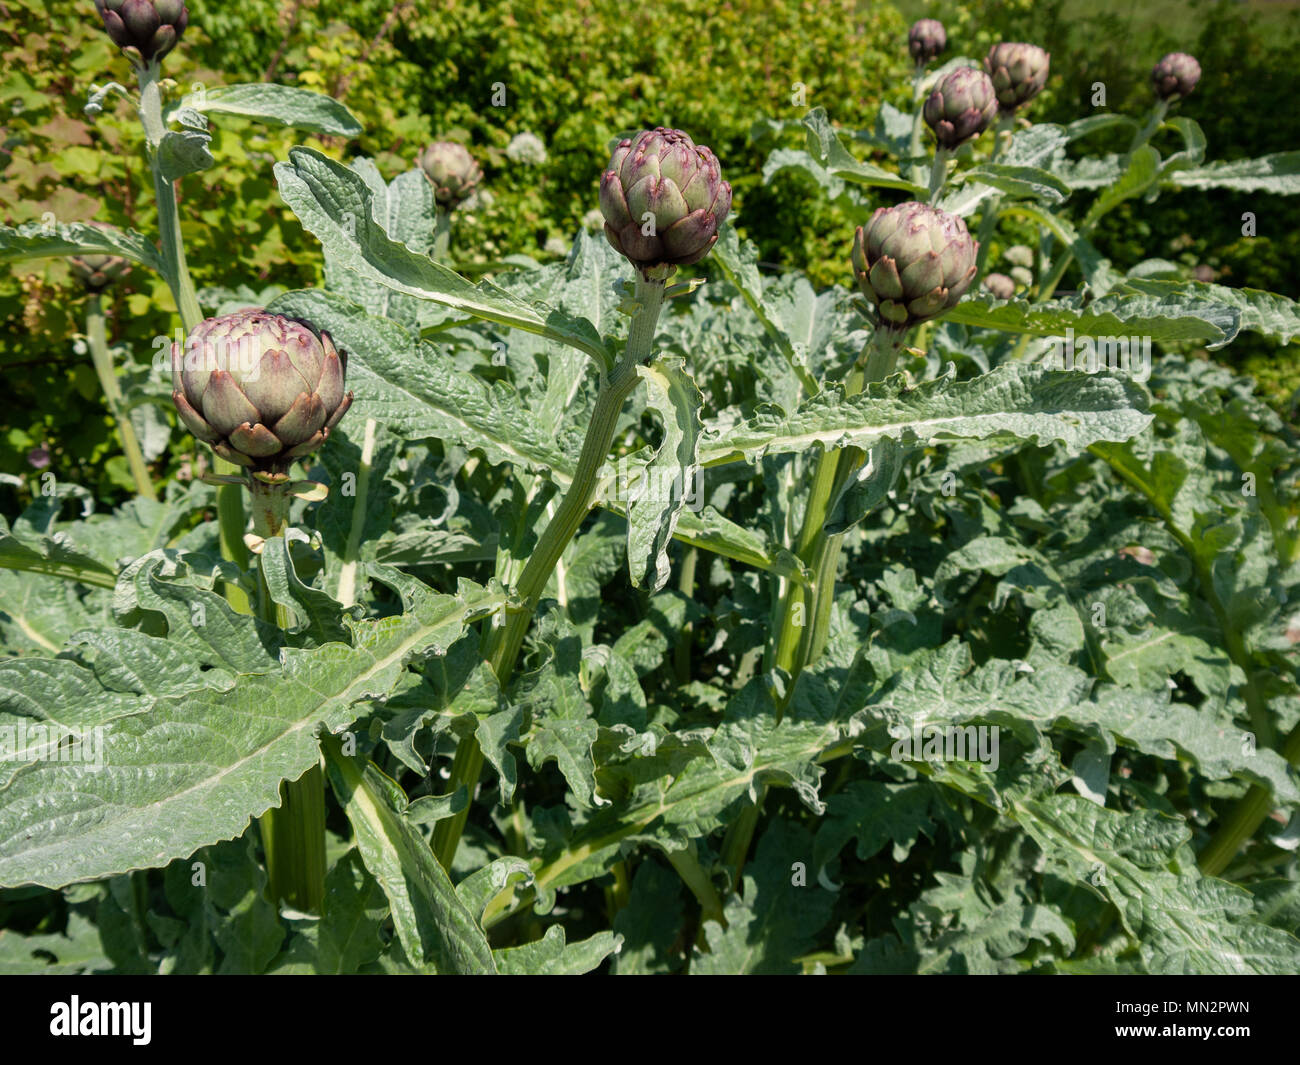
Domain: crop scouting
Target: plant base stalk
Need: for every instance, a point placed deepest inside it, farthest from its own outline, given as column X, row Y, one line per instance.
column 504, row 639
column 293, row 836
column 97, row 338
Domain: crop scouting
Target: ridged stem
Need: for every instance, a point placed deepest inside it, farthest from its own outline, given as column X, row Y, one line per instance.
column 505, row 636
column 97, row 339
column 293, row 836
column 230, row 504
column 804, row 613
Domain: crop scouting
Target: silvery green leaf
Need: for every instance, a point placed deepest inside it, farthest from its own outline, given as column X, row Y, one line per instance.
column 277, row 105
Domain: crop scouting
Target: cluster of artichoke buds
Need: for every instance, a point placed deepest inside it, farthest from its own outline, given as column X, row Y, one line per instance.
column 663, row 199
column 925, row 40
column 260, row 388
column 1175, row 76
column 913, row 262
column 452, row 171
column 961, row 107
column 145, row 30
column 98, row 270
column 1019, row 72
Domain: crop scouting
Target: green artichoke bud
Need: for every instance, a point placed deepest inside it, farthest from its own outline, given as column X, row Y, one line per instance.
column 961, row 107
column 1000, row 286
column 452, row 172
column 145, row 30
column 1019, row 72
column 1175, row 76
column 913, row 262
column 261, row 389
column 926, row 39
column 663, row 199
column 98, row 270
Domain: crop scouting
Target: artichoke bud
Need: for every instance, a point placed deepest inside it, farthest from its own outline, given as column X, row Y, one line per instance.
column 926, row 39
column 999, row 286
column 451, row 171
column 961, row 107
column 97, row 270
column 1175, row 76
column 1019, row 72
column 663, row 199
column 145, row 30
column 261, row 389
column 913, row 262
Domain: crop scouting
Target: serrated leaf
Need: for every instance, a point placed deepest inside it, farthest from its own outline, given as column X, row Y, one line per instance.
column 1161, row 319
column 552, row 956
column 1278, row 173
column 37, row 240
column 191, row 770
column 334, row 205
column 277, row 105
column 1013, row 401
column 433, row 924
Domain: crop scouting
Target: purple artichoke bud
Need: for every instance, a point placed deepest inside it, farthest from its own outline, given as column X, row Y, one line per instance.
column 98, row 270
column 145, row 30
column 663, row 199
column 913, row 262
column 926, row 39
column 1019, row 72
column 452, row 172
column 961, row 108
column 261, row 389
column 1000, row 286
column 1175, row 76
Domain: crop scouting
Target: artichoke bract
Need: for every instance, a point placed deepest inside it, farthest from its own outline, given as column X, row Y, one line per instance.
column 961, row 107
column 926, row 39
column 1175, row 76
column 913, row 262
column 260, row 388
column 663, row 199
column 1019, row 72
column 145, row 30
column 451, row 170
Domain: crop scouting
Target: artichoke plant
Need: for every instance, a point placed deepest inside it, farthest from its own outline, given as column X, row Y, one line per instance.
column 961, row 107
column 452, row 171
column 145, row 30
column 1019, row 72
column 1175, row 76
column 260, row 388
column 926, row 39
column 913, row 262
column 663, row 199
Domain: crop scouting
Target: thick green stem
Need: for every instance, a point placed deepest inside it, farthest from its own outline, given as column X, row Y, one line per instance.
column 1154, row 119
column 230, row 504
column 506, row 635
column 175, row 271
column 96, row 337
column 293, row 836
column 1245, row 818
column 347, row 586
column 1005, row 124
column 441, row 235
column 685, row 585
column 938, row 174
column 918, row 123
column 804, row 613
column 1066, row 257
